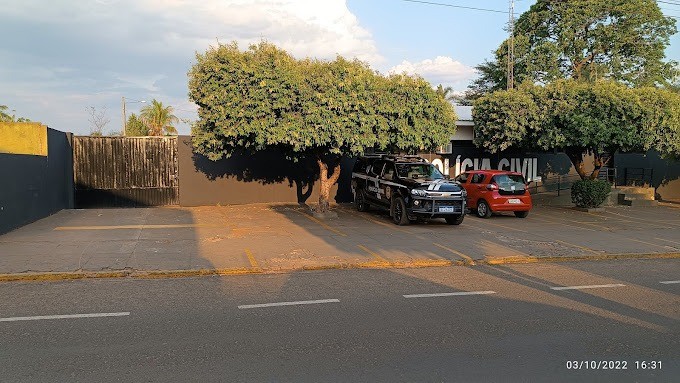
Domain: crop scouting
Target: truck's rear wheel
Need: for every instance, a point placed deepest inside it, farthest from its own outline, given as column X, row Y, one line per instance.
column 360, row 201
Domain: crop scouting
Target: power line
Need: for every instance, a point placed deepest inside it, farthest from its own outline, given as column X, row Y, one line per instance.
column 499, row 11
column 454, row 6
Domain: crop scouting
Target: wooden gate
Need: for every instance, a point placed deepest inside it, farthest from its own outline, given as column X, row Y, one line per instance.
column 125, row 171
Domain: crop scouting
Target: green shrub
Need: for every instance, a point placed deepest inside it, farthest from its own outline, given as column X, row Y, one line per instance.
column 589, row 193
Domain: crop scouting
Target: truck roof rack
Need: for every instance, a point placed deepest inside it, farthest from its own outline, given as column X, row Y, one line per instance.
column 395, row 157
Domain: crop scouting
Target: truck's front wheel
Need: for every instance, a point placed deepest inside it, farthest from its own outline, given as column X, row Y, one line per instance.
column 455, row 220
column 399, row 215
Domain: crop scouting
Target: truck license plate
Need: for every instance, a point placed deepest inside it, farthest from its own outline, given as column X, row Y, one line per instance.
column 514, row 201
column 446, row 209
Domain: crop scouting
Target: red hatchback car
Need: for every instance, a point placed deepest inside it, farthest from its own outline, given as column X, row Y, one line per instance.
column 491, row 191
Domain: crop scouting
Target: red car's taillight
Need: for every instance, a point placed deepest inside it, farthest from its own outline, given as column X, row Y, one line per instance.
column 492, row 187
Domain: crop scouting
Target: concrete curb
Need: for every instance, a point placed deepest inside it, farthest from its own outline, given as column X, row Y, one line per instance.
column 163, row 274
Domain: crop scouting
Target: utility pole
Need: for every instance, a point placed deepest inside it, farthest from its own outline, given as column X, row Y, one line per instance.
column 124, row 122
column 511, row 45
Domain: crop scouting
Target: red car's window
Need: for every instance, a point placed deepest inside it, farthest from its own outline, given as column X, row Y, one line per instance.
column 508, row 180
column 477, row 178
column 462, row 178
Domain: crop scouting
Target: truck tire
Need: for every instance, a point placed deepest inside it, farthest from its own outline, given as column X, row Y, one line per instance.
column 360, row 201
column 399, row 215
column 455, row 219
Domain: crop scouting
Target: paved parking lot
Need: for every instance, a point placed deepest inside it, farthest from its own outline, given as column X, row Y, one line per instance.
column 270, row 238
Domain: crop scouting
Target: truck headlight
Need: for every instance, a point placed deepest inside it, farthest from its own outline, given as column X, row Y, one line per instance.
column 419, row 192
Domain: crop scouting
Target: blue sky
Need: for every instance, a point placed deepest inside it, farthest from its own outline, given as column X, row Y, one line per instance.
column 61, row 57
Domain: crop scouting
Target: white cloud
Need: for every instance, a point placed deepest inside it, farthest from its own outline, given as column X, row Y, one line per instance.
column 442, row 70
column 143, row 48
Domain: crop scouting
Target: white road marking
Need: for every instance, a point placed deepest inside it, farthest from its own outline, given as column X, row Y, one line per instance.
column 318, row 301
column 449, row 294
column 69, row 316
column 669, row 282
column 586, row 287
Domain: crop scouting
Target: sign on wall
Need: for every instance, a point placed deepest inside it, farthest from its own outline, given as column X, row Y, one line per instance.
column 531, row 165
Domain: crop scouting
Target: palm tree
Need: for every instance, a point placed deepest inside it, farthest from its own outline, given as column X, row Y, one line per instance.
column 159, row 119
column 446, row 92
column 4, row 117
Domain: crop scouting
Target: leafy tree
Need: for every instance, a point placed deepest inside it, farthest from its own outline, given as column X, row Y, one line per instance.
column 661, row 120
column 311, row 109
column 580, row 118
column 622, row 40
column 6, row 117
column 135, row 127
column 159, row 119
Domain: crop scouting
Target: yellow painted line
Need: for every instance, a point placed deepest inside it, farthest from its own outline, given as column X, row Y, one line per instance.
column 322, row 224
column 577, row 246
column 486, row 222
column 668, row 240
column 597, row 257
column 647, row 221
column 373, row 254
column 567, row 224
column 617, row 219
column 648, row 243
column 418, row 263
column 517, row 252
column 391, row 226
column 251, row 259
column 598, row 225
column 56, row 276
column 467, row 258
column 118, row 227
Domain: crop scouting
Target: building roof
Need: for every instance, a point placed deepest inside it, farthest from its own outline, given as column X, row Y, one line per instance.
column 463, row 112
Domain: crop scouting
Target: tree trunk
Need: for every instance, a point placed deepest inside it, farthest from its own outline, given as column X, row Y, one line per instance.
column 326, row 182
column 576, row 157
column 599, row 160
column 302, row 194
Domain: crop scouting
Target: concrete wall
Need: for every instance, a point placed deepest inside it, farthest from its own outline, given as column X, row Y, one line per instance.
column 36, row 174
column 266, row 176
column 666, row 173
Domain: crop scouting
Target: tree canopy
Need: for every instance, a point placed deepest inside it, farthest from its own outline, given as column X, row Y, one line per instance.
column 621, row 40
column 135, row 127
column 263, row 97
column 580, row 118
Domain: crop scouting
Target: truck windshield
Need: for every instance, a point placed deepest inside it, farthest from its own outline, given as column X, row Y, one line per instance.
column 419, row 171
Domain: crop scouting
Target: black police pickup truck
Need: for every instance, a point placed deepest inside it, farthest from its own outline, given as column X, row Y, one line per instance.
column 409, row 186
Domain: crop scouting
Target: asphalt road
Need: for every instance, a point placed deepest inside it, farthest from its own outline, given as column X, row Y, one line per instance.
column 528, row 322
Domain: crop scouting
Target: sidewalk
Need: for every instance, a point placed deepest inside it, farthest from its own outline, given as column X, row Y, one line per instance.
column 166, row 242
